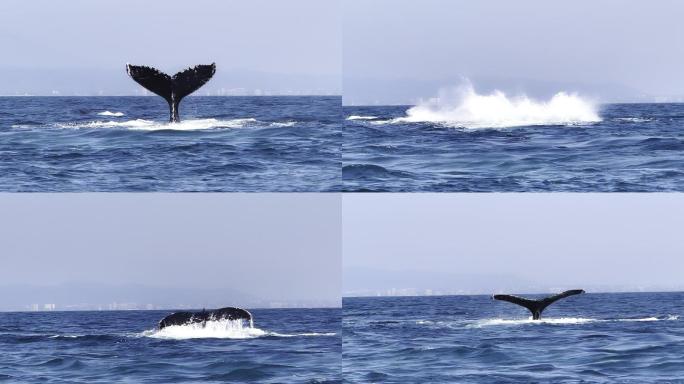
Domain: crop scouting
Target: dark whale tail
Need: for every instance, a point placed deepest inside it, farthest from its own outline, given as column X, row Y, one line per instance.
column 172, row 89
column 227, row 313
column 537, row 306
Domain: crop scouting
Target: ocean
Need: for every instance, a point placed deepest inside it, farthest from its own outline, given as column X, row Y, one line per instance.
column 492, row 144
column 590, row 338
column 222, row 144
column 284, row 346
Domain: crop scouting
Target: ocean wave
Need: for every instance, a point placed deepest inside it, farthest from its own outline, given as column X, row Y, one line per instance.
column 465, row 108
column 26, row 124
column 185, row 125
column 356, row 171
column 219, row 329
column 62, row 363
column 108, row 113
column 356, row 117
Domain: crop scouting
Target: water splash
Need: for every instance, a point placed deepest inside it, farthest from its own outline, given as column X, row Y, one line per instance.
column 108, row 113
column 463, row 107
column 219, row 329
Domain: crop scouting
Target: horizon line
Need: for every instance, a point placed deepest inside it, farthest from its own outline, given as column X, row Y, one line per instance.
column 189, row 96
column 601, row 103
column 517, row 293
column 158, row 309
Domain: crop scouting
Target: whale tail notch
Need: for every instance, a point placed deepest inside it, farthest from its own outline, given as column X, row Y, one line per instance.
column 227, row 313
column 172, row 89
column 537, row 306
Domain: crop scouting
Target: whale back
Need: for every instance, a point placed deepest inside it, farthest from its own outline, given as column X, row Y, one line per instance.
column 227, row 313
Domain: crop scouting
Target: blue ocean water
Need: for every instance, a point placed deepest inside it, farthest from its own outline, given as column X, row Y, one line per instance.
column 258, row 144
column 591, row 338
column 285, row 346
column 635, row 147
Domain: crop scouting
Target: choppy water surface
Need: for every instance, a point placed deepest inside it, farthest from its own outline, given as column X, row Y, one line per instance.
column 285, row 345
column 491, row 144
column 257, row 144
column 591, row 338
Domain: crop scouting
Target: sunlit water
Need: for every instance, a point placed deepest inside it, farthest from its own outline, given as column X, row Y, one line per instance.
column 591, row 338
column 257, row 144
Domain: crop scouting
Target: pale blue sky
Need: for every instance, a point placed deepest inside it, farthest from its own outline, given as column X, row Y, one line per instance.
column 397, row 51
column 484, row 243
column 252, row 247
column 391, row 51
column 271, row 45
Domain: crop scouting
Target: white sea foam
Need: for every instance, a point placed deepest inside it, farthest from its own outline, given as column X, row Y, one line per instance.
column 219, row 329
column 561, row 321
column 641, row 319
column 283, row 124
column 185, row 125
column 652, row 318
column 302, row 334
column 464, row 108
column 108, row 113
column 634, row 119
column 356, row 117
column 66, row 336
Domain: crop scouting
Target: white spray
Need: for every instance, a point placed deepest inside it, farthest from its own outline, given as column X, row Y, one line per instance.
column 465, row 108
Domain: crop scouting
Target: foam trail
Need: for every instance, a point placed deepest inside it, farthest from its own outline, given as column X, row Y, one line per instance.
column 185, row 125
column 283, row 124
column 562, row 321
column 356, row 117
column 108, row 113
column 633, row 119
column 465, row 108
column 303, row 334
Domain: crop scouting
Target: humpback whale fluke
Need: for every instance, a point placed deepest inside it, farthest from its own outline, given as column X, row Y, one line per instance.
column 537, row 306
column 227, row 313
column 172, row 89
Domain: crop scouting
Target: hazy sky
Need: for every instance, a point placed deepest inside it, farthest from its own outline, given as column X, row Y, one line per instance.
column 484, row 243
column 277, row 247
column 83, row 46
column 396, row 51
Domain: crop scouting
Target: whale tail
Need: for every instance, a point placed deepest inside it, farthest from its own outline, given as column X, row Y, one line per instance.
column 172, row 89
column 227, row 313
column 537, row 306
